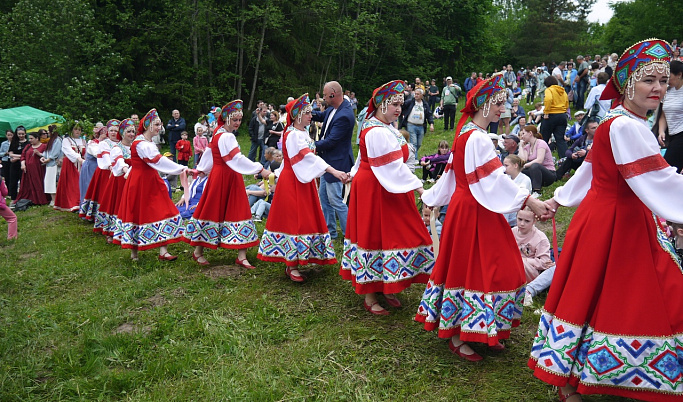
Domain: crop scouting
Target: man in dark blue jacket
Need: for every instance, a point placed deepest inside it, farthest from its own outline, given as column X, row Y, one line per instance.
column 334, row 146
column 174, row 127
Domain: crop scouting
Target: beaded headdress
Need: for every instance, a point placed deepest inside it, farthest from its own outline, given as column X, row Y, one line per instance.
column 113, row 123
column 639, row 60
column 297, row 108
column 481, row 96
column 230, row 109
column 147, row 120
column 124, row 125
column 384, row 95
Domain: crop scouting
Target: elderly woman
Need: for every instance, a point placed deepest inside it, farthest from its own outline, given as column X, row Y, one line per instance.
column 296, row 232
column 613, row 319
column 33, row 176
column 223, row 217
column 387, row 246
column 147, row 218
column 474, row 294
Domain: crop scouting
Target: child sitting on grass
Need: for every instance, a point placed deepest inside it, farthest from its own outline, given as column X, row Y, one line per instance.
column 426, row 217
column 433, row 165
column 535, row 249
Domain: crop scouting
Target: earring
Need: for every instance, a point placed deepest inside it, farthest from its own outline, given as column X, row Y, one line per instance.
column 383, row 107
column 298, row 118
column 631, row 89
column 486, row 109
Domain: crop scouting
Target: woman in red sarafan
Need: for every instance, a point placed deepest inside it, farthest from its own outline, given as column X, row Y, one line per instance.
column 223, row 218
column 147, row 218
column 613, row 319
column 73, row 148
column 32, row 179
column 93, row 196
column 296, row 232
column 387, row 246
column 475, row 294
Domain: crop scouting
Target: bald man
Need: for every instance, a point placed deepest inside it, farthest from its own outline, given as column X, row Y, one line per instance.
column 334, row 146
column 174, row 127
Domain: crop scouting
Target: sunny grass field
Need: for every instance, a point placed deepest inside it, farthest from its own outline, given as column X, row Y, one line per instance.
column 80, row 321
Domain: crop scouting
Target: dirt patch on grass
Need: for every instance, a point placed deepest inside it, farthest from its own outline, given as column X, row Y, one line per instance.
column 222, row 271
column 156, row 301
column 130, row 328
column 28, row 256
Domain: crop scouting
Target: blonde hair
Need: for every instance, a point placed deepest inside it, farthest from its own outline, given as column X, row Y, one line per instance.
column 516, row 160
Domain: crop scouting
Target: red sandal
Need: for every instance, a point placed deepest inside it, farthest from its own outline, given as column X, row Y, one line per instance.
column 474, row 357
column 375, row 312
column 244, row 263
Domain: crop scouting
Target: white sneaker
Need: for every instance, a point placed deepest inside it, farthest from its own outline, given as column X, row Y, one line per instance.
column 257, row 219
column 528, row 299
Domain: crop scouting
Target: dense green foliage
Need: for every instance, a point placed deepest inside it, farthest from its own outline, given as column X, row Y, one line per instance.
column 109, row 58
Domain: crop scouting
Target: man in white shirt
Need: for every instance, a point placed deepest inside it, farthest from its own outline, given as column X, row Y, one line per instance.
column 558, row 73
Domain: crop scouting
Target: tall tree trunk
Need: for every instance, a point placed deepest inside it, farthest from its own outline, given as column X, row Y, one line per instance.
column 258, row 62
column 195, row 57
column 208, row 49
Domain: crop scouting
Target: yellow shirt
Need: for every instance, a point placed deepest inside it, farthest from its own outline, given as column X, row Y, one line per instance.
column 556, row 100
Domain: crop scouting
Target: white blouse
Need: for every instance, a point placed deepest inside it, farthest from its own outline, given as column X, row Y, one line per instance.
column 305, row 163
column 636, row 153
column 149, row 153
column 119, row 152
column 68, row 145
column 488, row 183
column 383, row 145
column 104, row 154
column 231, row 155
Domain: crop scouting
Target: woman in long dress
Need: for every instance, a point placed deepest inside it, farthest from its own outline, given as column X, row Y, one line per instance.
column 73, row 149
column 91, row 200
column 89, row 167
column 613, row 319
column 105, row 221
column 296, row 232
column 223, row 218
column 147, row 218
column 476, row 290
column 387, row 246
column 51, row 158
column 32, row 179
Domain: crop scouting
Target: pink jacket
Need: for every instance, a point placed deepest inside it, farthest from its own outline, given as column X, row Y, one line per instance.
column 3, row 194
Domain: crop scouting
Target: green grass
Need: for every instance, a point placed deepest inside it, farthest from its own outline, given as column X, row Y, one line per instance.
column 80, row 321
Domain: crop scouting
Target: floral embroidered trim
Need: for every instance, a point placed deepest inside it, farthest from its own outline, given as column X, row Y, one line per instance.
column 233, row 152
column 482, row 171
column 643, row 165
column 386, row 158
column 300, row 156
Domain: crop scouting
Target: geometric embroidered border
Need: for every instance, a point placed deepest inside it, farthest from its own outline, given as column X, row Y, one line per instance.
column 229, row 233
column 389, row 266
column 635, row 363
column 473, row 312
column 288, row 247
column 102, row 221
column 88, row 209
column 149, row 234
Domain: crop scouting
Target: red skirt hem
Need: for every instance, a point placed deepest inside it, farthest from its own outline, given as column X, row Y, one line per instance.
column 466, row 336
column 380, row 286
column 221, row 245
column 297, row 263
column 148, row 246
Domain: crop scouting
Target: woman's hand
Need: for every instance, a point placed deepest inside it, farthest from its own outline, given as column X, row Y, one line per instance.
column 265, row 173
column 552, row 207
column 341, row 176
column 23, row 166
column 661, row 137
column 420, row 191
column 538, row 207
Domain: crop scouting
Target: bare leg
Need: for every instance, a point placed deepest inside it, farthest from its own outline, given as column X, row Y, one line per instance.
column 134, row 255
column 465, row 348
column 568, row 393
column 198, row 254
column 372, row 303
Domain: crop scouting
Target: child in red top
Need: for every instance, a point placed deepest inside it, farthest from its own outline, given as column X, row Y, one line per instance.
column 184, row 149
column 7, row 213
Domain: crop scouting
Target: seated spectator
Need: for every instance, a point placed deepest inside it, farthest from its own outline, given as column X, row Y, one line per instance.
column 516, row 112
column 521, row 122
column 433, row 165
column 576, row 154
column 539, row 165
column 510, row 146
column 676, row 237
column 196, row 190
column 426, row 218
column 257, row 192
column 513, row 167
column 535, row 249
column 536, row 115
column 495, row 139
column 261, row 208
column 575, row 131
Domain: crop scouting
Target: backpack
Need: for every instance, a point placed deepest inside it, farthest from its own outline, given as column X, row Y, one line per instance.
column 22, row 204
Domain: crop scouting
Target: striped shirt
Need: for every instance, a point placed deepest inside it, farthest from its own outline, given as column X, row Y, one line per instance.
column 673, row 110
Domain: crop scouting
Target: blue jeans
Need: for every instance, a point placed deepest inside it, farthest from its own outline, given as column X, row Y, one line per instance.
column 333, row 206
column 542, row 282
column 253, row 198
column 580, row 92
column 417, row 133
column 260, row 146
column 260, row 208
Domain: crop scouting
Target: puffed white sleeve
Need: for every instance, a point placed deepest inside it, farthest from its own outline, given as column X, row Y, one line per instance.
column 206, row 163
column 651, row 178
column 486, row 177
column 104, row 155
column 149, row 153
column 69, row 152
column 576, row 188
column 93, row 148
column 231, row 155
column 386, row 161
column 305, row 164
column 440, row 194
column 117, row 162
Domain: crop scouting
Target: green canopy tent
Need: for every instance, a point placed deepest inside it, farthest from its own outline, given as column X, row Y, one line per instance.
column 26, row 116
